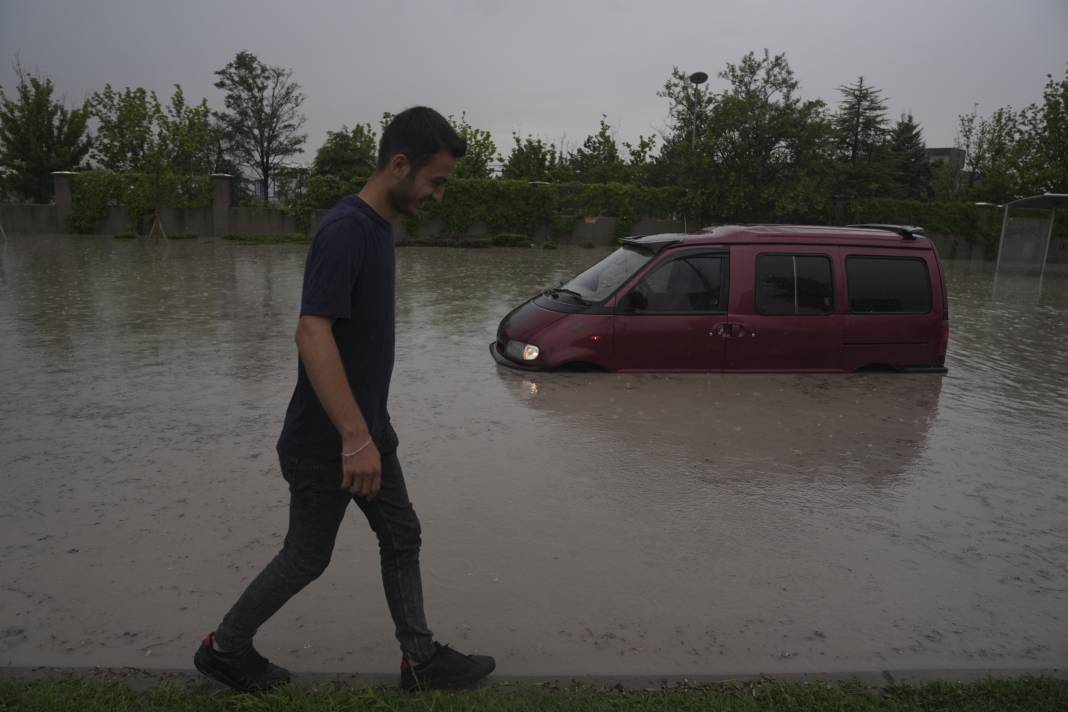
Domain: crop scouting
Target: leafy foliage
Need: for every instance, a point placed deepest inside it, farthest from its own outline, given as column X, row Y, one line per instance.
column 761, row 150
column 531, row 159
column 598, row 159
column 347, row 154
column 38, row 136
column 95, row 191
column 480, row 149
column 127, row 127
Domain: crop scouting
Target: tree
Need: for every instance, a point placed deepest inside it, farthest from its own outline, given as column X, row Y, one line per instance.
column 860, row 125
column 126, row 136
column 908, row 153
column 480, row 149
column 861, row 134
column 689, row 106
column 188, row 136
column 531, row 159
column 262, row 120
column 761, row 150
column 640, row 160
column 38, row 136
column 136, row 134
column 1044, row 146
column 598, row 159
column 993, row 154
column 348, row 154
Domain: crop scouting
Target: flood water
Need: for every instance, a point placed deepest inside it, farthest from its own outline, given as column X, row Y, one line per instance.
column 573, row 523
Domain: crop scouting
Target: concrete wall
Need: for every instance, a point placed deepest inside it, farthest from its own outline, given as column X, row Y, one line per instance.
column 260, row 221
column 187, row 221
column 30, row 219
column 598, row 231
column 954, row 247
column 652, row 226
column 116, row 222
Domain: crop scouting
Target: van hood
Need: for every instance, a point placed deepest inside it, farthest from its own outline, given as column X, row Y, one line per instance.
column 525, row 321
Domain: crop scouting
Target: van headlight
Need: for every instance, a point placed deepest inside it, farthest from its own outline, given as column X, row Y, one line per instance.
column 518, row 351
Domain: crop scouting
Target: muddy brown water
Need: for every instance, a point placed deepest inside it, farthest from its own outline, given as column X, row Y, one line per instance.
column 574, row 523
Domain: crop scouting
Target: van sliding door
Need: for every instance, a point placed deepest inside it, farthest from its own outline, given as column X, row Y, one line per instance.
column 784, row 315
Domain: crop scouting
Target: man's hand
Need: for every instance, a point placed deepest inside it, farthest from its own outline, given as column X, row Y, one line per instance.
column 361, row 474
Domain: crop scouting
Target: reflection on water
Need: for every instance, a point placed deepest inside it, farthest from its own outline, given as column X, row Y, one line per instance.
column 716, row 521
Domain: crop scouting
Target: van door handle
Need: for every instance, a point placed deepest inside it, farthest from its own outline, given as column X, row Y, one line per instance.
column 721, row 330
column 740, row 330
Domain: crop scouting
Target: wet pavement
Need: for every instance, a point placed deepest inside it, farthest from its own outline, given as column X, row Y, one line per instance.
column 574, row 524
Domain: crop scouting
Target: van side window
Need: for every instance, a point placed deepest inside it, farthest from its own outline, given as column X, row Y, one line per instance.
column 690, row 284
column 794, row 284
column 888, row 285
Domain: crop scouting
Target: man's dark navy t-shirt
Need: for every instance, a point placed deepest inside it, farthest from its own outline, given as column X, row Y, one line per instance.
column 349, row 276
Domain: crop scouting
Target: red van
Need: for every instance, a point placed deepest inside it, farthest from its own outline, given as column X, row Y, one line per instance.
column 759, row 298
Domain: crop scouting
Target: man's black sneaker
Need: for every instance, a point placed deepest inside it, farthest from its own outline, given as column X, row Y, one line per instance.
column 447, row 669
column 244, row 670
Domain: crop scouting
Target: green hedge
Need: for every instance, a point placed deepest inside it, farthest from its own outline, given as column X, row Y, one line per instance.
column 964, row 219
column 95, row 191
column 515, row 207
column 512, row 211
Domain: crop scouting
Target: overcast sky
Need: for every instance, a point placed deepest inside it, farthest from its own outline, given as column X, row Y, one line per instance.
column 548, row 68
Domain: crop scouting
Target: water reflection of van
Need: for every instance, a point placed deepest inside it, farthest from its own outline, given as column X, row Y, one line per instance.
column 752, row 298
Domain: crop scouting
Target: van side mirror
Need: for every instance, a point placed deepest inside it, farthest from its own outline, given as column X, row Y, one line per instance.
column 634, row 301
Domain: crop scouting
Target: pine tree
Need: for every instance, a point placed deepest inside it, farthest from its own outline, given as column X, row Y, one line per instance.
column 909, row 154
column 861, row 131
column 861, row 123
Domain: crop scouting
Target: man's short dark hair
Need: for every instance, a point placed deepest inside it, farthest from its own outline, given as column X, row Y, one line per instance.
column 419, row 133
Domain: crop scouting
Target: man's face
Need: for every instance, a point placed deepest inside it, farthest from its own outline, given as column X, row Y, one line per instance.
column 414, row 189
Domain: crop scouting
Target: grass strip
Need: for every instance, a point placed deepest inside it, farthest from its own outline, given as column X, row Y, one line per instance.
column 1033, row 694
column 270, row 239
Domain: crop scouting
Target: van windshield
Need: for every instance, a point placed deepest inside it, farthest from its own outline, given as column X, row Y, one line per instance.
column 605, row 277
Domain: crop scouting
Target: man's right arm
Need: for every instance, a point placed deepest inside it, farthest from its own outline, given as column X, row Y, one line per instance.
column 361, row 473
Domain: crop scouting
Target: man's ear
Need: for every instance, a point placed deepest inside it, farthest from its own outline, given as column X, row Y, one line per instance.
column 399, row 167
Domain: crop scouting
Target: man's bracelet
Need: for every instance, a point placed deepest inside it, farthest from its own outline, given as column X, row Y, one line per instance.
column 358, row 450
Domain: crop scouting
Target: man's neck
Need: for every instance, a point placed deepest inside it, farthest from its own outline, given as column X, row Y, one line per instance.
column 374, row 193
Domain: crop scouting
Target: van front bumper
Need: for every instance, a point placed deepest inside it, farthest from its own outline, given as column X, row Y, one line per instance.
column 503, row 360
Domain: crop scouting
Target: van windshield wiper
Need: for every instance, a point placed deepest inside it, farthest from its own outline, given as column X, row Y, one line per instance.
column 556, row 290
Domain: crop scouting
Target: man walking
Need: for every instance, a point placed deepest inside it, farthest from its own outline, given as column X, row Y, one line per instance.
column 337, row 444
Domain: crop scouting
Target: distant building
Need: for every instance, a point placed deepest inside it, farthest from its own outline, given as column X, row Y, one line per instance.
column 953, row 156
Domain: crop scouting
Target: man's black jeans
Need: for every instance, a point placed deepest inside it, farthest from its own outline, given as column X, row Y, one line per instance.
column 317, row 505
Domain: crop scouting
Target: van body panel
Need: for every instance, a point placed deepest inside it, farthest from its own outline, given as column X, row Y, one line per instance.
column 668, row 342
column 782, row 303
column 577, row 338
column 895, row 339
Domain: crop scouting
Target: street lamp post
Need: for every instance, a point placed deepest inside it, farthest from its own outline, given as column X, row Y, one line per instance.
column 697, row 78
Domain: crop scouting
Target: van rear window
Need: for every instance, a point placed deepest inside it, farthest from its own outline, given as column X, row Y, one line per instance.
column 794, row 284
column 888, row 285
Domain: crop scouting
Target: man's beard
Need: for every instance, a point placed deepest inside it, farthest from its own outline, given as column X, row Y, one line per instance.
column 400, row 199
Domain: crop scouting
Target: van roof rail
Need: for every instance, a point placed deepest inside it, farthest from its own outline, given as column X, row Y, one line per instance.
column 909, row 232
column 651, row 244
